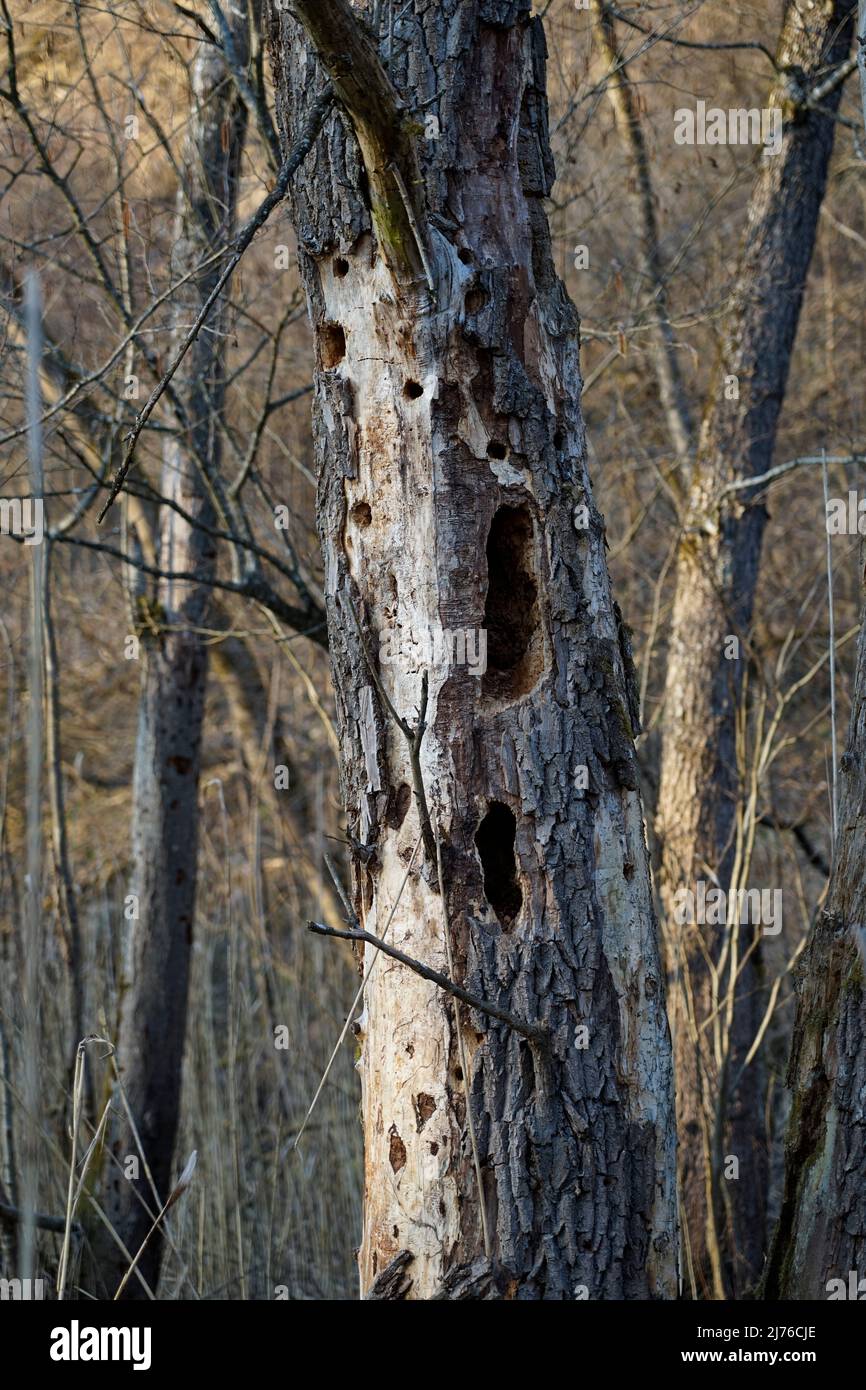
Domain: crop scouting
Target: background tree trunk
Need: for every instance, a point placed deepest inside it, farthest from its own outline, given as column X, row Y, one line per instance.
column 717, row 571
column 642, row 200
column 821, row 1233
column 171, row 708
column 454, row 495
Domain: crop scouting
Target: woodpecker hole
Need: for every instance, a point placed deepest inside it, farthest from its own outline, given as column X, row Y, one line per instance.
column 511, row 616
column 412, row 390
column 399, row 802
column 341, row 267
column 494, row 840
column 332, row 345
column 361, row 514
column 496, row 449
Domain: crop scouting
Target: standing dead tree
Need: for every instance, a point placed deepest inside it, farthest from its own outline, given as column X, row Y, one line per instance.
column 455, row 508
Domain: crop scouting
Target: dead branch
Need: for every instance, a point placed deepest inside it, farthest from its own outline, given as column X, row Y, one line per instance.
column 242, row 241
column 533, row 1031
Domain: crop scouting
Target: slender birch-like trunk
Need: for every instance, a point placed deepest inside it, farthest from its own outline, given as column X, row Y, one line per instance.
column 171, row 708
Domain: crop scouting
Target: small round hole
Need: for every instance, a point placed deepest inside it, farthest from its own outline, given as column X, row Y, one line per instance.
column 465, row 255
column 496, row 449
column 558, row 439
column 412, row 390
column 361, row 514
column 341, row 267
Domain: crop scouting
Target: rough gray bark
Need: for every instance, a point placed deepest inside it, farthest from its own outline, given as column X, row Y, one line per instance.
column 821, row 1234
column 171, row 706
column 717, row 569
column 452, row 474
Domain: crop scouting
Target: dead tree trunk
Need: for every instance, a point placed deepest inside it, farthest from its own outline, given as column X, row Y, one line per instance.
column 171, row 707
column 821, row 1237
column 717, row 571
column 455, row 508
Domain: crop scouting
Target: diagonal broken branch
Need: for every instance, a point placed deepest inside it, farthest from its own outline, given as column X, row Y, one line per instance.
column 533, row 1031
column 348, row 53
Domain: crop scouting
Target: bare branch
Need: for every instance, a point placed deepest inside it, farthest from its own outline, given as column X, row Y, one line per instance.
column 534, row 1031
column 349, row 55
column 242, row 241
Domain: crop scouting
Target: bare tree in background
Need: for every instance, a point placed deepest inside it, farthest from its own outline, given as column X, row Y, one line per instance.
column 174, row 675
column 819, row 1246
column 820, row 1242
column 702, row 836
column 168, row 551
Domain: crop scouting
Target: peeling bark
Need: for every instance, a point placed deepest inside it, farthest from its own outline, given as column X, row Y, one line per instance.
column 451, row 459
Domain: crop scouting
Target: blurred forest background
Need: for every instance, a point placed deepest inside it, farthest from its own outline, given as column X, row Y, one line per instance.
column 91, row 133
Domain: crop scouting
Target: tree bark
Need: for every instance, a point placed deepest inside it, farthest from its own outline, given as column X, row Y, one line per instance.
column 717, row 570
column 171, row 706
column 454, row 498
column 821, row 1235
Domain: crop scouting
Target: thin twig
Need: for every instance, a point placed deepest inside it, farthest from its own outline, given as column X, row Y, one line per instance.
column 290, row 165
column 13, row 1216
column 356, row 1001
column 529, row 1030
column 413, row 736
column 743, row 484
column 176, row 1193
column 413, row 223
column 832, row 636
column 73, row 1190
